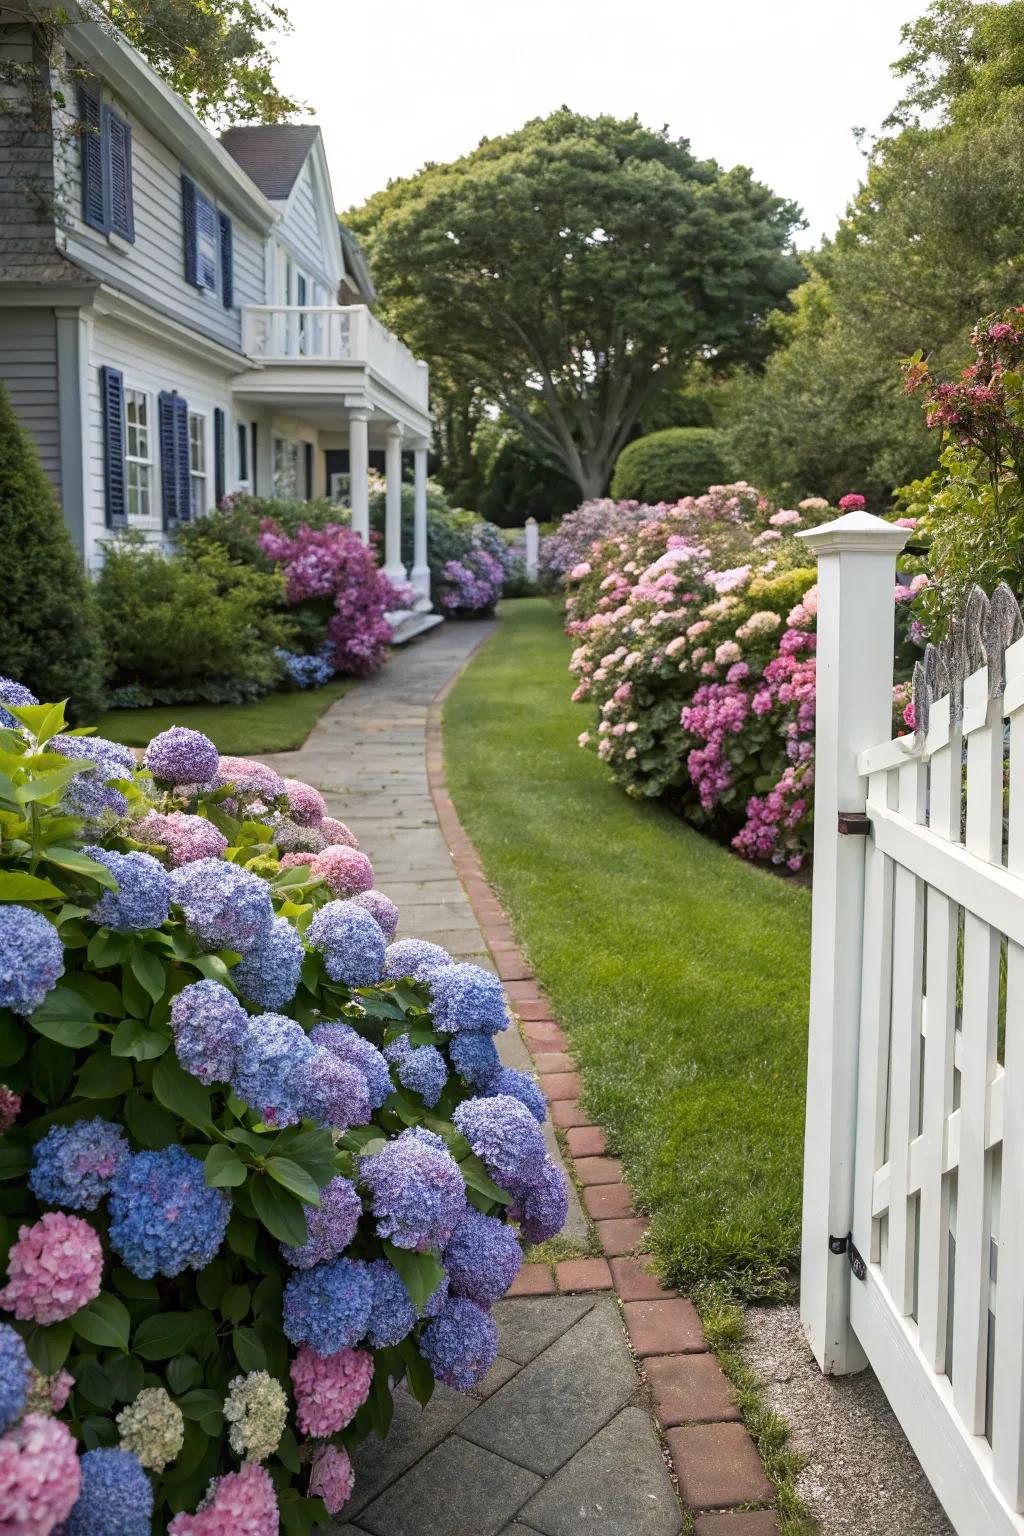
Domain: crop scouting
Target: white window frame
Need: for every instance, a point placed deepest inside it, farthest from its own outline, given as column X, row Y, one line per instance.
column 138, row 466
column 198, row 472
column 286, row 468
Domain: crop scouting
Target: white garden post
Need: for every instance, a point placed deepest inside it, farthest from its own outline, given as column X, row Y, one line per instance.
column 856, row 575
column 532, row 548
column 420, row 575
column 394, row 569
column 358, row 469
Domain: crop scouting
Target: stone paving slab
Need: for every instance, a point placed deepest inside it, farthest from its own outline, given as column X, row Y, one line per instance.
column 459, row 1489
column 595, row 1494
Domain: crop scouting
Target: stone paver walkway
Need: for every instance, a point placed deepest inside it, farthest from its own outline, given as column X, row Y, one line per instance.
column 562, row 1437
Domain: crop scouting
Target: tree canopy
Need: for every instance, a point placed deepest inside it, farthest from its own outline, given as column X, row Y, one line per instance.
column 571, row 270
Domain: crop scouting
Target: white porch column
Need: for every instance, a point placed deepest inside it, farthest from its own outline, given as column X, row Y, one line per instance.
column 358, row 469
column 393, row 567
column 532, row 548
column 420, row 576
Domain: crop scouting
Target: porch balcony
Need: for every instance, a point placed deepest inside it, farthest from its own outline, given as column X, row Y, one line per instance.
column 308, row 336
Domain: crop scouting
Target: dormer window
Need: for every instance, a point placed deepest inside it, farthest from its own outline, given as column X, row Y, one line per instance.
column 106, row 167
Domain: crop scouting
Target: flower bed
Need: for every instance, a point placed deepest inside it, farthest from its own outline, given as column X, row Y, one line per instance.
column 695, row 626
column 258, row 1161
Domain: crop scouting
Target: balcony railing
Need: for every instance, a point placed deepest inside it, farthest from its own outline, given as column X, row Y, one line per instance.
column 292, row 333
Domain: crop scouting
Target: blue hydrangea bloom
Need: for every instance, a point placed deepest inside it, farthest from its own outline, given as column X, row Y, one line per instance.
column 273, row 1050
column 74, row 1164
column 31, row 957
column 542, row 1204
column 418, row 1191
column 417, row 958
column 305, row 671
column 421, row 1068
column 461, row 1344
column 331, row 1227
column 181, row 756
column 482, row 1258
column 143, row 896
column 225, row 906
column 382, row 909
column 268, row 974
column 393, row 1316
column 16, row 694
column 475, row 1057
column 505, row 1135
column 15, row 1368
column 350, row 941
column 468, row 997
column 89, row 794
column 521, row 1086
column 163, row 1216
column 328, row 1306
column 330, row 1091
column 209, row 1026
column 115, row 1499
column 349, row 1045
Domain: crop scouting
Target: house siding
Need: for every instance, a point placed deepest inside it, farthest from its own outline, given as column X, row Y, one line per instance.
column 28, row 371
column 300, row 230
column 28, row 248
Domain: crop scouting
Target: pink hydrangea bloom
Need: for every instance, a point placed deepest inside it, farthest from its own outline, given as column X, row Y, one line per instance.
column 40, row 1476
column 54, row 1269
column 851, row 503
column 337, row 833
column 294, row 860
column 10, row 1107
column 784, row 519
column 346, row 870
column 251, row 778
column 186, row 838
column 241, row 1503
column 60, row 1389
column 331, row 1478
column 579, row 571
column 305, row 803
column 329, row 1389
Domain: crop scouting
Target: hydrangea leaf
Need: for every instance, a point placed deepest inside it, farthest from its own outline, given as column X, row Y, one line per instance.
column 294, row 1178
column 13, row 1039
column 105, row 1322
column 48, row 1348
column 224, row 1168
column 93, row 1381
column 421, row 1273
column 126, row 1377
column 135, row 1039
column 79, row 863
column 151, row 1125
column 477, row 1178
column 104, row 1077
column 167, row 1334
column 51, row 1068
column 249, row 1351
column 148, row 970
column 180, row 1093
column 280, row 1212
column 235, row 1304
column 65, row 1017
column 16, row 885
column 15, row 1159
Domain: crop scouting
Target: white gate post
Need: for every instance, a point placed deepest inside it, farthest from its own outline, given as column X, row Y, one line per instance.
column 532, row 548
column 856, row 575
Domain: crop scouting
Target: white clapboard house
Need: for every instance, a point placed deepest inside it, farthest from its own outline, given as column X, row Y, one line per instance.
column 182, row 316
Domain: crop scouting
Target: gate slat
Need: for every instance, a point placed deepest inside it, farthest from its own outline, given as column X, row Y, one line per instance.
column 876, row 995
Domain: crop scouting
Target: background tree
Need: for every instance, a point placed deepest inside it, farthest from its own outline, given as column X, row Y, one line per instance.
column 573, row 269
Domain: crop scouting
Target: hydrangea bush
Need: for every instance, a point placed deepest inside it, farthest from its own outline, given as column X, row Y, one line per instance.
column 258, row 1161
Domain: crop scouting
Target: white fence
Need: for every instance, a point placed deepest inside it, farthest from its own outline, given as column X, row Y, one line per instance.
column 913, row 1242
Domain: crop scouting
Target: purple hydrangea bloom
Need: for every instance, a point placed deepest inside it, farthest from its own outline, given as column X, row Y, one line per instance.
column 475, row 1057
column 163, row 1216
column 181, row 756
column 521, row 1086
column 291, row 836
column 90, row 794
column 328, row 1306
column 16, row 694
column 330, row 1091
column 461, row 1344
column 331, row 1228
column 482, row 1258
column 31, row 958
column 209, row 1026
column 225, row 906
column 74, row 1164
column 421, row 1069
column 350, row 941
column 393, row 1316
column 115, row 1498
column 266, row 1073
column 268, row 974
column 382, row 909
column 15, row 1366
column 542, row 1204
column 468, row 997
column 349, row 1045
column 417, row 1189
column 250, row 778
column 505, row 1135
column 417, row 958
column 143, row 895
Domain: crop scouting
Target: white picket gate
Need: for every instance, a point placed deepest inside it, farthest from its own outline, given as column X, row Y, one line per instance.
column 913, row 1242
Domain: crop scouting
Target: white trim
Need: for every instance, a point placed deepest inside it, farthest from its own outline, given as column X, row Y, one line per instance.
column 148, row 461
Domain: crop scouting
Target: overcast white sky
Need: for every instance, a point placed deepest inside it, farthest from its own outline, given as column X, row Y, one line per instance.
column 774, row 84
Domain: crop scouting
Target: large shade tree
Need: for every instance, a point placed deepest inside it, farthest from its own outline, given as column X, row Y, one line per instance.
column 572, row 269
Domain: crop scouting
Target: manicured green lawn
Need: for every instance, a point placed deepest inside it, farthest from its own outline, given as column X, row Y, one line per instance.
column 679, row 972
column 277, row 723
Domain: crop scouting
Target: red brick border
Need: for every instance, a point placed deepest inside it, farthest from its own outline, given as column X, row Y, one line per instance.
column 714, row 1460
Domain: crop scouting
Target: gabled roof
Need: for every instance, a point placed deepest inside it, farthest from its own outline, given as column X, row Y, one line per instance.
column 271, row 154
column 355, row 265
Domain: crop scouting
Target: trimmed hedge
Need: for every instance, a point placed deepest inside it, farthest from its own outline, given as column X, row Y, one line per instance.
column 666, row 466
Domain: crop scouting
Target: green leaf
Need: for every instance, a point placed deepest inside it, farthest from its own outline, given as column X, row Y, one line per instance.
column 212, row 1282
column 137, row 1040
column 184, row 1373
column 181, row 1093
column 102, row 996
column 104, row 1321
column 134, row 1286
column 149, row 971
column 65, row 1017
column 288, row 1452
column 50, row 784
column 127, row 1377
column 418, row 1373
column 224, row 1169
column 16, row 885
column 200, row 1404
column 93, row 1381
column 15, row 1159
column 167, row 1334
column 477, row 1177
column 312, row 1150
column 51, row 1068
column 48, row 1348
column 107, row 948
column 249, row 1351
column 280, row 1212
column 151, row 1125
column 294, row 1178
column 212, row 967
column 421, row 1273
column 104, row 1077
column 32, row 716
column 14, row 1039
column 235, row 1303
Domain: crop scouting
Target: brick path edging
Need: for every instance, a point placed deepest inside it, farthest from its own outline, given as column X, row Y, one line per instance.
column 714, row 1460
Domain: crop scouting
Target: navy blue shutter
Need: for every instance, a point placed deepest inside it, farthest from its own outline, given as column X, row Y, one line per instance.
column 117, row 145
column 227, row 262
column 168, row 458
column 188, row 219
column 112, row 394
column 207, row 245
column 219, row 479
column 255, row 457
column 184, row 459
column 94, row 203
column 308, row 451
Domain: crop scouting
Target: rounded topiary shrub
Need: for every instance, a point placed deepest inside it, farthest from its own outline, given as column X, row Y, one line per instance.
column 666, row 466
column 258, row 1160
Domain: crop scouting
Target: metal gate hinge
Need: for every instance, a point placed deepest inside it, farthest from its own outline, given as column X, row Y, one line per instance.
column 848, row 1246
column 853, row 824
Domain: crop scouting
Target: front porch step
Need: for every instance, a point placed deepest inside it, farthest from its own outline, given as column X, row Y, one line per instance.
column 406, row 626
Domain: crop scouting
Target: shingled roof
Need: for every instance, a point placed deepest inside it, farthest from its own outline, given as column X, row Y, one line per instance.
column 272, row 154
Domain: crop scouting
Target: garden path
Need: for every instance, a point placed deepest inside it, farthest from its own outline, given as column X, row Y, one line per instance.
column 559, row 1438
